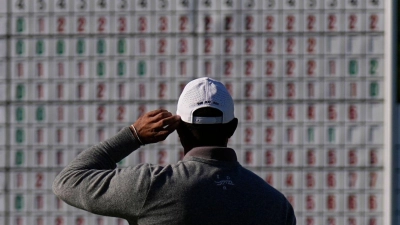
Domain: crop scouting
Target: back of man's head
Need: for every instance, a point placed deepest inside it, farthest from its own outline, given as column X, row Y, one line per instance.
column 207, row 113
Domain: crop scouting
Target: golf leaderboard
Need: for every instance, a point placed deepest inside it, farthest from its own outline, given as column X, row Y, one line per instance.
column 311, row 81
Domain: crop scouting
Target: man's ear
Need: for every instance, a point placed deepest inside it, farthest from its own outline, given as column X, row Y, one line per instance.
column 231, row 127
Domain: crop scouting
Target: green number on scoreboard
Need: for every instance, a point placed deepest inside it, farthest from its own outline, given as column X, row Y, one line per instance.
column 80, row 46
column 331, row 134
column 374, row 89
column 141, row 68
column 19, row 135
column 19, row 114
column 20, row 25
column 39, row 47
column 19, row 202
column 373, row 66
column 101, row 67
column 121, row 67
column 20, row 47
column 20, row 92
column 310, row 134
column 40, row 113
column 353, row 67
column 60, row 47
column 121, row 46
column 101, row 46
column 19, row 158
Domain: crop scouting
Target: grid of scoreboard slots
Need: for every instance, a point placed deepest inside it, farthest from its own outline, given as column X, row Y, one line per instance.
column 306, row 76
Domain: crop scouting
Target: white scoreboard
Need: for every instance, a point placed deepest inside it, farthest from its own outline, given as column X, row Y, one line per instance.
column 311, row 80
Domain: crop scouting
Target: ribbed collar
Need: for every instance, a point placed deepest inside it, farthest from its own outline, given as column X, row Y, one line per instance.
column 212, row 152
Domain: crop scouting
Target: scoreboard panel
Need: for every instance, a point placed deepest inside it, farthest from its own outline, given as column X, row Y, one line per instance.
column 310, row 80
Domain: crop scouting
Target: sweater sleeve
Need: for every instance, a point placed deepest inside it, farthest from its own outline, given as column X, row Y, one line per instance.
column 93, row 182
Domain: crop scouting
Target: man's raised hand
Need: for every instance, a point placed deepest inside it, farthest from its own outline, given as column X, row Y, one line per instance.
column 155, row 126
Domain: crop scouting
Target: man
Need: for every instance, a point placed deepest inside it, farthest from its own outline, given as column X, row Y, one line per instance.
column 208, row 186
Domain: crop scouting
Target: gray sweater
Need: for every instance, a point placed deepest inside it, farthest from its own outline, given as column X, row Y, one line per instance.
column 208, row 186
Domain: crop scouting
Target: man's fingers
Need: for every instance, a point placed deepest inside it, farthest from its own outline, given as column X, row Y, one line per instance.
column 167, row 121
column 174, row 125
column 161, row 116
column 168, row 130
column 155, row 112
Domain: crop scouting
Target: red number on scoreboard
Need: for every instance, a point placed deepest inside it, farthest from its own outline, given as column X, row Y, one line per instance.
column 102, row 22
column 353, row 22
column 311, row 158
column 122, row 24
column 332, row 22
column 121, row 112
column 101, row 111
column 290, row 22
column 228, row 23
column 290, row 112
column 208, row 44
column 311, row 66
column 332, row 114
column 312, row 42
column 163, row 24
column 183, row 23
column 228, row 46
column 269, row 158
column 331, row 202
column 353, row 115
column 269, row 23
column 269, row 135
column 290, row 67
column 249, row 113
column 332, row 158
column 270, row 113
column 290, row 45
column 61, row 24
column 311, row 20
column 249, row 42
column 183, row 46
column 372, row 203
column 162, row 45
column 291, row 90
column 352, row 202
column 208, row 21
column 270, row 67
column 270, row 90
column 162, row 90
column 310, row 203
column 289, row 180
column 228, row 66
column 310, row 180
column 249, row 21
column 39, row 180
column 249, row 89
column 81, row 24
column 249, row 66
column 101, row 89
column 331, row 180
column 311, row 112
column 142, row 24
column 373, row 22
column 270, row 45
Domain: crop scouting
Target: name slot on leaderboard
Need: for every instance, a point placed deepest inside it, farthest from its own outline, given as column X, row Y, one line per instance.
column 307, row 77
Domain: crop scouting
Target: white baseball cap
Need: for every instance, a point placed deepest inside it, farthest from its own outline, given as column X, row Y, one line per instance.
column 205, row 92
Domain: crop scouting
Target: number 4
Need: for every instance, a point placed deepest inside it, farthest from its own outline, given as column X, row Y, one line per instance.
column 61, row 3
column 353, row 2
column 20, row 4
column 102, row 3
